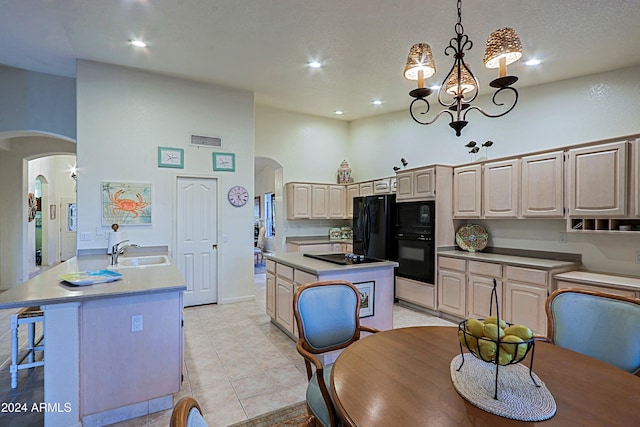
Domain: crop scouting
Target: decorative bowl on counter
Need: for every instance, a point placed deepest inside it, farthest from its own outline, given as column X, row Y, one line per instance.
column 472, row 237
column 335, row 234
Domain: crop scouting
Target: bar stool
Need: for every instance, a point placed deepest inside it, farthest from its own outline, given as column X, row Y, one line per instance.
column 28, row 316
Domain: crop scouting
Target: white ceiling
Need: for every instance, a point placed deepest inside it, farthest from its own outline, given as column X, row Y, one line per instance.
column 263, row 45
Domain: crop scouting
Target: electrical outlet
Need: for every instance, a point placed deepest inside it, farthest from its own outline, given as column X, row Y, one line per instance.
column 563, row 237
column 136, row 323
column 637, row 257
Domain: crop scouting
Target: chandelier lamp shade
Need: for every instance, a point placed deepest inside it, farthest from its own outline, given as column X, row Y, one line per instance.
column 460, row 87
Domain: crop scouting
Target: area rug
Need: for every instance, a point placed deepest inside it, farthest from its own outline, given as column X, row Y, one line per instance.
column 290, row 416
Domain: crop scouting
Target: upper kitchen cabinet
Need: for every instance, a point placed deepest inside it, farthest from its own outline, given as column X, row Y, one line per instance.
column 467, row 191
column 598, row 180
column 635, row 178
column 298, row 200
column 501, row 189
column 366, row 188
column 384, row 185
column 337, row 201
column 542, row 187
column 416, row 184
column 319, row 201
column 353, row 191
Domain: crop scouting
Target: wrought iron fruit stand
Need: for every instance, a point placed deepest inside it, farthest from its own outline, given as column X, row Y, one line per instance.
column 518, row 356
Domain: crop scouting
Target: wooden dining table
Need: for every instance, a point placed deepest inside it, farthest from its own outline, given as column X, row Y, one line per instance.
column 401, row 377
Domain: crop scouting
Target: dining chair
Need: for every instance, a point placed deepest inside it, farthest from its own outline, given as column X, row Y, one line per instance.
column 328, row 319
column 598, row 324
column 258, row 251
column 187, row 413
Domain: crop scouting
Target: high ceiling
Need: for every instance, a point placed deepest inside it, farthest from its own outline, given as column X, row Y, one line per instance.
column 264, row 46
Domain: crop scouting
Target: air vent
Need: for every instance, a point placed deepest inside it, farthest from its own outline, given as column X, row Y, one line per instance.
column 206, row 141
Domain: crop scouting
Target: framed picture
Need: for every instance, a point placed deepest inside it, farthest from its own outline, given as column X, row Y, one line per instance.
column 169, row 157
column 52, row 211
column 224, row 162
column 367, row 297
column 126, row 203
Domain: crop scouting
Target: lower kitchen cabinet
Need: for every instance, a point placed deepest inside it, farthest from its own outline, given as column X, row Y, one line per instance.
column 479, row 288
column 525, row 305
column 419, row 293
column 271, row 294
column 452, row 286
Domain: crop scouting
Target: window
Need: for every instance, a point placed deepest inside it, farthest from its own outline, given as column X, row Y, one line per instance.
column 270, row 214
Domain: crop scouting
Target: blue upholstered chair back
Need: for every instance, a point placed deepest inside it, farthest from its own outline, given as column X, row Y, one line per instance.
column 195, row 419
column 603, row 326
column 328, row 315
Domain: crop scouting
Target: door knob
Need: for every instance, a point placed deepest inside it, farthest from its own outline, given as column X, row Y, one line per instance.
column 214, row 246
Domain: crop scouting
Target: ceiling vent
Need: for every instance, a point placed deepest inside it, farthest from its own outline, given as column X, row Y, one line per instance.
column 206, row 141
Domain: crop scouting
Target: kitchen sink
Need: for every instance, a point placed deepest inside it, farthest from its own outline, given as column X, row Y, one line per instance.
column 142, row 261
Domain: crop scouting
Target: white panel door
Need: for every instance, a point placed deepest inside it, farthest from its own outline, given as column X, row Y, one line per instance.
column 196, row 243
column 68, row 224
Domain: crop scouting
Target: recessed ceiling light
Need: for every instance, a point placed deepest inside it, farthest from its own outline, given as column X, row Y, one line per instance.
column 339, row 112
column 533, row 61
column 376, row 102
column 138, row 43
column 314, row 64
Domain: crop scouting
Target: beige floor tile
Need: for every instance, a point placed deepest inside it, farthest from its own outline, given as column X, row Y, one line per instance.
column 253, row 385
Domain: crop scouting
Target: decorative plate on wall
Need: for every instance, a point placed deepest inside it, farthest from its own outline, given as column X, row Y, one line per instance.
column 472, row 237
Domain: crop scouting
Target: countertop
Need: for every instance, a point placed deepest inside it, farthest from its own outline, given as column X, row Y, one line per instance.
column 317, row 267
column 314, row 240
column 519, row 261
column 600, row 279
column 48, row 288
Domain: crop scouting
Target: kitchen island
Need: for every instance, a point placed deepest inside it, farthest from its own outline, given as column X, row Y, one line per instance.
column 97, row 370
column 286, row 272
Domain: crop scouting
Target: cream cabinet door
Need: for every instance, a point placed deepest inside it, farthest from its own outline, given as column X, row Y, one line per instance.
column 319, row 201
column 337, row 201
column 479, row 302
column 424, row 183
column 404, row 184
column 271, row 295
column 284, row 304
column 353, row 191
column 598, row 180
column 366, row 188
column 500, row 190
column 525, row 305
column 382, row 186
column 467, row 191
column 542, row 189
column 451, row 292
column 298, row 200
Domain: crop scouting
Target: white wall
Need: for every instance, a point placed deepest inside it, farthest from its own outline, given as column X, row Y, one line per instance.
column 569, row 112
column 309, row 149
column 123, row 116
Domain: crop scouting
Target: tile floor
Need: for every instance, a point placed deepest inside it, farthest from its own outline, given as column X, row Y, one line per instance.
column 237, row 364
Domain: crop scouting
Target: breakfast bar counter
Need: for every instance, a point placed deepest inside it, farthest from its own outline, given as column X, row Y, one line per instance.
column 287, row 271
column 98, row 339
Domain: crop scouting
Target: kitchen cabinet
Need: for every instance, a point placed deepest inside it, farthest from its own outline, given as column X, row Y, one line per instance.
column 271, row 288
column 419, row 293
column 467, row 191
column 284, row 297
column 337, row 201
column 315, row 201
column 526, row 291
column 598, row 180
column 500, row 189
column 452, row 286
column 479, row 288
column 542, row 186
column 635, row 178
column 382, row 186
column 319, row 201
column 353, row 191
column 366, row 188
column 416, row 184
column 314, row 247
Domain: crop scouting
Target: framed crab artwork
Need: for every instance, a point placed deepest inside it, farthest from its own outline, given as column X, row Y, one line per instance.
column 126, row 203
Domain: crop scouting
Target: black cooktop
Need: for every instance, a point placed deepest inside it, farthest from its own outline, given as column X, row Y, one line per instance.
column 343, row 258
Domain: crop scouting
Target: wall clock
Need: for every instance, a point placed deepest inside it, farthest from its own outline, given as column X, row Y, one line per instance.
column 224, row 162
column 238, row 196
column 169, row 157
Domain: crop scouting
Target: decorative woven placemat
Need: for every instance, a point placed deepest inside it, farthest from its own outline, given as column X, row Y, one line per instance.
column 518, row 397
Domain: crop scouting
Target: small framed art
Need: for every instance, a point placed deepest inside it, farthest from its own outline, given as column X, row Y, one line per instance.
column 367, row 296
column 169, row 157
column 224, row 162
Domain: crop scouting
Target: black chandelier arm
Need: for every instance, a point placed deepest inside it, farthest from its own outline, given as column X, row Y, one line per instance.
column 499, row 104
column 426, row 111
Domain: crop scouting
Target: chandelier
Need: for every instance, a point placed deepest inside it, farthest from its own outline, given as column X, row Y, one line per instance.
column 460, row 88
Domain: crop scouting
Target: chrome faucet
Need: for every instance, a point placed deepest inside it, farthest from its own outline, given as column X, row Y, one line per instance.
column 117, row 250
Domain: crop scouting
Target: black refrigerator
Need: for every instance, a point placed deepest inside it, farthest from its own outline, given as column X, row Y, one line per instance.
column 373, row 224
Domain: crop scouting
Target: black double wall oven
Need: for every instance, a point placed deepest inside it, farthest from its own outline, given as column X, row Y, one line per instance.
column 415, row 240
